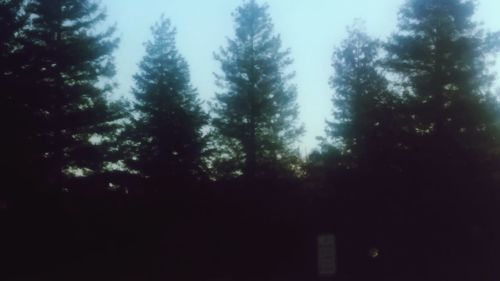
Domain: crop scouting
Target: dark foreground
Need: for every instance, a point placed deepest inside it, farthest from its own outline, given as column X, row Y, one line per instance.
column 231, row 232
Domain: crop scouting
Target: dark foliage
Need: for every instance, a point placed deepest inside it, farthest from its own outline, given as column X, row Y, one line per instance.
column 163, row 141
column 68, row 117
column 413, row 168
column 12, row 112
column 407, row 178
column 255, row 114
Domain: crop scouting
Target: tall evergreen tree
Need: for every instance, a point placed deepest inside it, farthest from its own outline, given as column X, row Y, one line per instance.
column 440, row 55
column 66, row 66
column 364, row 108
column 12, row 111
column 439, row 58
column 255, row 114
column 357, row 161
column 165, row 136
column 12, row 20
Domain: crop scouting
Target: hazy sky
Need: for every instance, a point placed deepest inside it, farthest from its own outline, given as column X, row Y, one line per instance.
column 311, row 28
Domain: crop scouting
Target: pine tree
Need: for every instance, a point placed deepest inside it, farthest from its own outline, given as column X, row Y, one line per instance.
column 440, row 55
column 12, row 111
column 255, row 114
column 364, row 108
column 358, row 158
column 12, row 20
column 439, row 61
column 165, row 136
column 67, row 65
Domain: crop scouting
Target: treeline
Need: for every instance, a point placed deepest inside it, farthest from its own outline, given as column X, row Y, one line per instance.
column 156, row 186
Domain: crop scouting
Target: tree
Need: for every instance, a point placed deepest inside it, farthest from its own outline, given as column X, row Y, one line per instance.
column 255, row 114
column 439, row 58
column 358, row 161
column 12, row 112
column 363, row 135
column 439, row 54
column 66, row 68
column 165, row 135
column 12, row 21
column 364, row 108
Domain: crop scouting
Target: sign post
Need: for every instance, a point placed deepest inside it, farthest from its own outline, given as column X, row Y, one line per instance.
column 326, row 256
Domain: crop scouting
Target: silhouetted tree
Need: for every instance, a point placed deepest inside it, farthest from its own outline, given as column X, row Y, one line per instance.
column 66, row 66
column 255, row 114
column 12, row 20
column 363, row 133
column 12, row 110
column 364, row 108
column 165, row 135
column 439, row 54
column 54, row 68
column 356, row 163
column 439, row 60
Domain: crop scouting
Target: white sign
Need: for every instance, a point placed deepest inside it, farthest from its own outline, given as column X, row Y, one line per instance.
column 326, row 255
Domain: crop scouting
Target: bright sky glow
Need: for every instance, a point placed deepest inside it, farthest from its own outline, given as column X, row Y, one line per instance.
column 311, row 28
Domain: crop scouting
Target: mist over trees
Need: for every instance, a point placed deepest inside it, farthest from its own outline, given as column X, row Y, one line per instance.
column 159, row 185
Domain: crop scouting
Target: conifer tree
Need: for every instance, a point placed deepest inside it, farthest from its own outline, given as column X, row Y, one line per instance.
column 12, row 20
column 67, row 64
column 440, row 54
column 165, row 136
column 12, row 112
column 364, row 108
column 255, row 112
column 439, row 58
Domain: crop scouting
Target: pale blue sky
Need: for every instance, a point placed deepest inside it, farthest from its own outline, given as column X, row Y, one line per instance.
column 311, row 28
